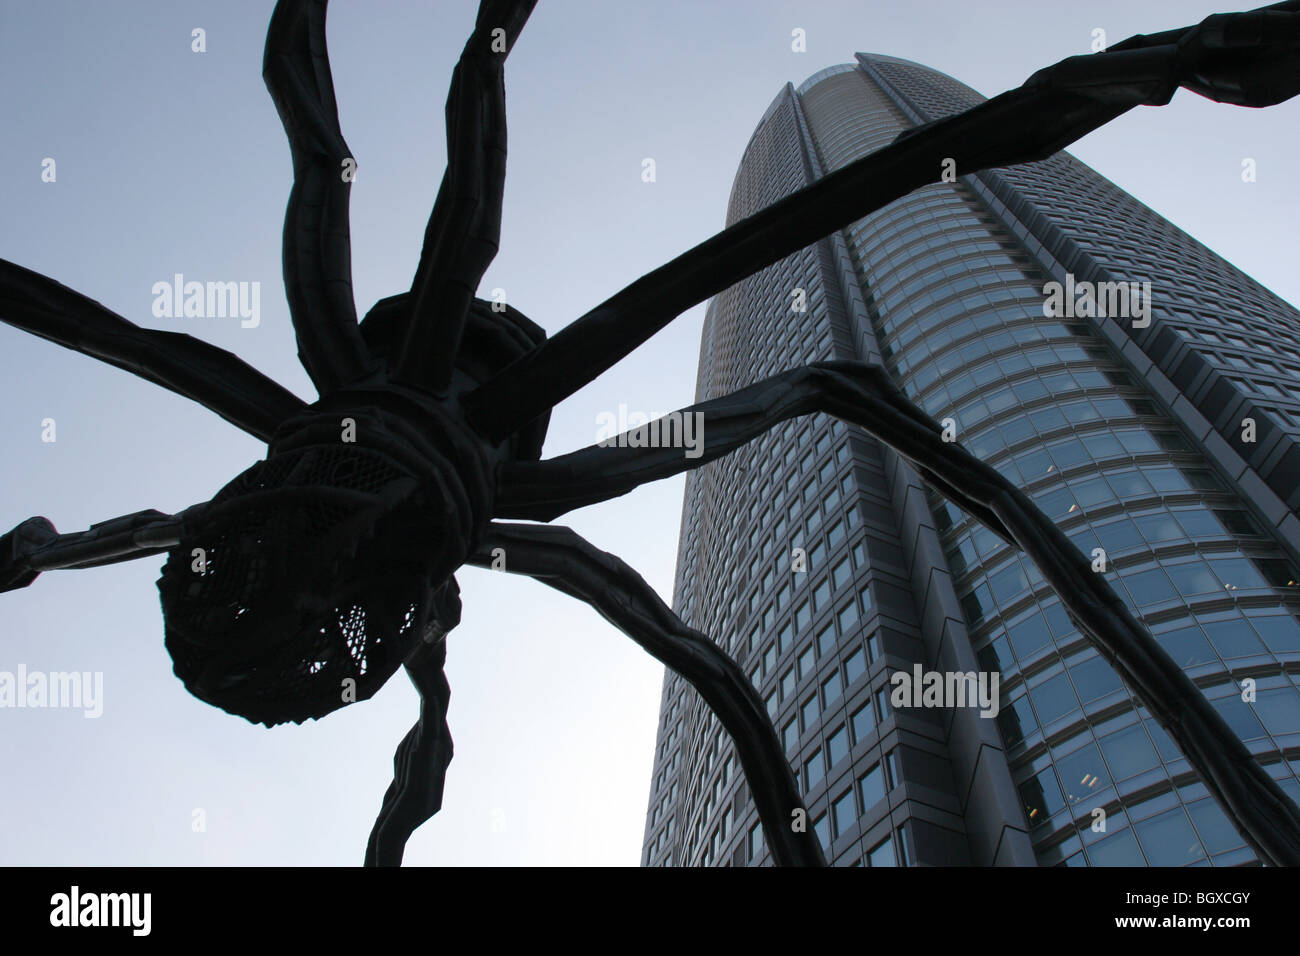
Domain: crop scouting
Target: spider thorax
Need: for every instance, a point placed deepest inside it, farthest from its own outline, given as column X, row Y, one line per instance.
column 314, row 574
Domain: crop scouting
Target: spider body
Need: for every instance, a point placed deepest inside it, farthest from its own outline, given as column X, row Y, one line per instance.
column 312, row 576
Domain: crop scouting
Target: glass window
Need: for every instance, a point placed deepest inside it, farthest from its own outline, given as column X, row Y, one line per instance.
column 1149, row 587
column 831, row 688
column 1187, row 645
column 1095, row 678
column 1029, row 635
column 1194, row 577
column 826, row 639
column 841, row 573
column 1169, row 840
column 1279, row 710
column 1237, row 573
column 810, row 711
column 790, row 735
column 1118, row 849
column 814, row 770
column 848, row 617
column 1083, row 774
column 783, row 597
column 882, row 702
column 821, row 826
column 871, row 785
column 1239, row 716
column 1041, row 797
column 882, row 854
column 1016, row 721
column 845, row 812
column 1053, row 698
column 1129, row 752
column 806, row 663
column 1233, row 638
column 1215, row 830
column 1281, row 633
column 863, row 721
column 837, row 746
column 855, row 665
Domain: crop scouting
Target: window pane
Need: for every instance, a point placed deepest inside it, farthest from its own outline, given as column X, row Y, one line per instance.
column 1129, row 752
column 1120, row 849
column 845, row 812
column 871, row 785
column 1082, row 774
column 864, row 721
column 882, row 854
column 1169, row 839
column 814, row 770
column 837, row 747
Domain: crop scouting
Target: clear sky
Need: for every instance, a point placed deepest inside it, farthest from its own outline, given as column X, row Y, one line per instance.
column 174, row 161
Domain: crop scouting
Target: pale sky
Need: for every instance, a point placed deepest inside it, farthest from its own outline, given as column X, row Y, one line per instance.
column 173, row 161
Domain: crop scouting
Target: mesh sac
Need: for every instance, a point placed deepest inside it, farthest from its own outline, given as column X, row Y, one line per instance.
column 309, row 570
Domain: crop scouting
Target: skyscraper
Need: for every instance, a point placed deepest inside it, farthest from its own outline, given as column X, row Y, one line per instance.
column 1149, row 403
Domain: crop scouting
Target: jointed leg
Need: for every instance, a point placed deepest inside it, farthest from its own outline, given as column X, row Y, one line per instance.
column 564, row 560
column 317, row 246
column 1267, row 819
column 1249, row 59
column 420, row 764
column 188, row 366
column 465, row 227
column 862, row 394
column 35, row 546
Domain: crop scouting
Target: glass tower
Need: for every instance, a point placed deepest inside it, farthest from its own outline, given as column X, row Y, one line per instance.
column 1164, row 445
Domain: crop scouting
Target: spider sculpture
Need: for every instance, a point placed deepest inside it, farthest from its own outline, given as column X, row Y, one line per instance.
column 311, row 577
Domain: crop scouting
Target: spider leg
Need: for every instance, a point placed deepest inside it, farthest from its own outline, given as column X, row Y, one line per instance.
column 1266, row 818
column 1250, row 59
column 420, row 763
column 544, row 490
column 35, row 546
column 567, row 562
column 317, row 247
column 213, row 377
column 464, row 228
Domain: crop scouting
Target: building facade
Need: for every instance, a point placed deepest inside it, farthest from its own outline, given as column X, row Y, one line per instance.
column 1163, row 440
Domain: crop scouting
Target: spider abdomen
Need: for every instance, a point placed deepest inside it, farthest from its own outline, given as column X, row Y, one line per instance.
column 311, row 576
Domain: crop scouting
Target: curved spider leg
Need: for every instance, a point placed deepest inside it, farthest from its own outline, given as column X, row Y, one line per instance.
column 35, row 546
column 213, row 377
column 1266, row 818
column 420, row 763
column 317, row 247
column 567, row 562
column 1249, row 59
column 464, row 228
column 544, row 490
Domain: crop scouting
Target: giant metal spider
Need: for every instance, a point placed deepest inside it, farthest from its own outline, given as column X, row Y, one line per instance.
column 311, row 577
